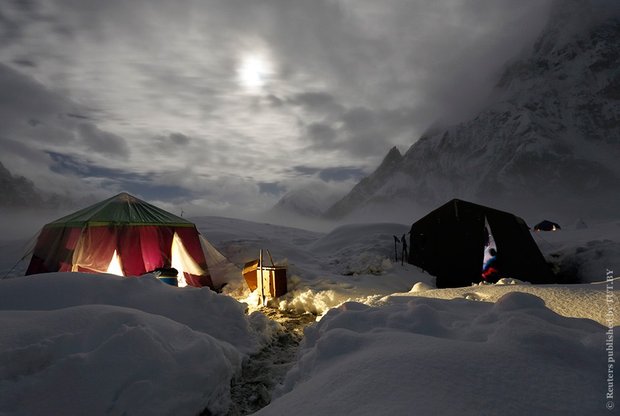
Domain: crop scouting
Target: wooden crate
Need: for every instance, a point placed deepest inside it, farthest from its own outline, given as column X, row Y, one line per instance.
column 274, row 278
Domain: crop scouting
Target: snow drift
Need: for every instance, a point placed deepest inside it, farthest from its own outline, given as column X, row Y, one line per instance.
column 450, row 357
column 76, row 343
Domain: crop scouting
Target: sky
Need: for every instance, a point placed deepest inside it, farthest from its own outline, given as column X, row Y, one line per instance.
column 223, row 106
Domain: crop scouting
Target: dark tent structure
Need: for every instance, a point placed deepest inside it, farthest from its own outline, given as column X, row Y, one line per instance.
column 122, row 235
column 449, row 243
column 547, row 226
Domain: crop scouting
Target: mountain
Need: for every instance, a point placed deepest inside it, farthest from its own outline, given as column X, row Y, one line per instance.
column 547, row 144
column 307, row 202
column 19, row 194
column 17, row 191
column 367, row 187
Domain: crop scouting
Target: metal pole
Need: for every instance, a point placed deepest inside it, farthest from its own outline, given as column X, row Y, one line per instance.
column 259, row 279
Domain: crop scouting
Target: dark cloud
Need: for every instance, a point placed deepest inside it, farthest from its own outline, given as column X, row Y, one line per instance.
column 35, row 114
column 341, row 174
column 173, row 144
column 23, row 97
column 332, row 174
column 317, row 102
column 271, row 188
column 78, row 116
column 10, row 28
column 305, row 170
column 147, row 185
column 322, row 135
column 274, row 101
column 16, row 149
column 25, row 63
column 179, row 139
column 101, row 141
column 74, row 165
column 16, row 16
column 361, row 131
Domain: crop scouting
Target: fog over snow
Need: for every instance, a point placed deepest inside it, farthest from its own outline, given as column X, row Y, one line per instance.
column 223, row 106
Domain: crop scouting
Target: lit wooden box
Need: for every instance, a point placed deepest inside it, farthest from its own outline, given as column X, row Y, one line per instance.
column 273, row 278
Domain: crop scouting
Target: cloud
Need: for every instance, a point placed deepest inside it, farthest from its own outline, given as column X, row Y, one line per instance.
column 101, row 141
column 179, row 139
column 37, row 120
column 146, row 185
column 322, row 135
column 152, row 87
column 331, row 174
column 317, row 102
column 273, row 188
column 341, row 174
column 305, row 170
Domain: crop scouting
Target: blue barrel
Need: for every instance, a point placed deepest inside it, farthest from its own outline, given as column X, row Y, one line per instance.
column 172, row 281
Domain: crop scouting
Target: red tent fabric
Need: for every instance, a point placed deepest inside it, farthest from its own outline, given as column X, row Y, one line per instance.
column 138, row 235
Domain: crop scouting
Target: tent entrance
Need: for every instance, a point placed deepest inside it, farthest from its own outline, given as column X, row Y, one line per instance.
column 489, row 241
column 115, row 265
column 180, row 260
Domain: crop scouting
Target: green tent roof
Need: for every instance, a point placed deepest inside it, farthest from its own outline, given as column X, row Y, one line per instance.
column 122, row 209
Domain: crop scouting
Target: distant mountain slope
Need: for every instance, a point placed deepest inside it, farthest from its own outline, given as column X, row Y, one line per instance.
column 548, row 142
column 20, row 193
column 311, row 200
column 368, row 186
column 17, row 191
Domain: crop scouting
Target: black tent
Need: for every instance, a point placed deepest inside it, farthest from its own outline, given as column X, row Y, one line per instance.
column 449, row 243
column 546, row 226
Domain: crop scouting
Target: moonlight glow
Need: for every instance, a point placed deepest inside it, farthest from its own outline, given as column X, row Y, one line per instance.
column 253, row 71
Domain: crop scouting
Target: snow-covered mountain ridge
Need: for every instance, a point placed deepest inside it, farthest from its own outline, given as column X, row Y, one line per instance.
column 546, row 144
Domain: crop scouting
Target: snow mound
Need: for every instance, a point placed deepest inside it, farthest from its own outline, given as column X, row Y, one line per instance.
column 575, row 301
column 201, row 309
column 360, row 248
column 347, row 239
column 320, row 295
column 420, row 287
column 74, row 343
column 100, row 359
column 435, row 356
column 582, row 254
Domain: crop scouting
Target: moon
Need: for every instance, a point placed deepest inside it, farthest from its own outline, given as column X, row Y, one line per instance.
column 253, row 71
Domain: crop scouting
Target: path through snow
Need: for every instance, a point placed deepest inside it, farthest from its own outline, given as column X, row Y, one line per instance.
column 263, row 371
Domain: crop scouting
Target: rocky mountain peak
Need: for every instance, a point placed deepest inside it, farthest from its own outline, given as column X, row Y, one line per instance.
column 546, row 142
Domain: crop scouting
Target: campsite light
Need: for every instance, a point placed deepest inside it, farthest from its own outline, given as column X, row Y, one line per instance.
column 182, row 261
column 115, row 265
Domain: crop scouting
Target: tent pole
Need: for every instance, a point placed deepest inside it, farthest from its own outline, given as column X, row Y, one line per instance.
column 259, row 279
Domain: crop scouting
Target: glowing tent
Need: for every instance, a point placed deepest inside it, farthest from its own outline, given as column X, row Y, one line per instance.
column 547, row 226
column 122, row 235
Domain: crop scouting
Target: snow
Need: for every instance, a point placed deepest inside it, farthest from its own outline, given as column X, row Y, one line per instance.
column 73, row 343
column 577, row 301
column 585, row 253
column 200, row 309
column 101, row 359
column 449, row 357
column 386, row 341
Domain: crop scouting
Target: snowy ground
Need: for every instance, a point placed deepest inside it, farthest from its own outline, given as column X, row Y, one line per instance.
column 387, row 341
